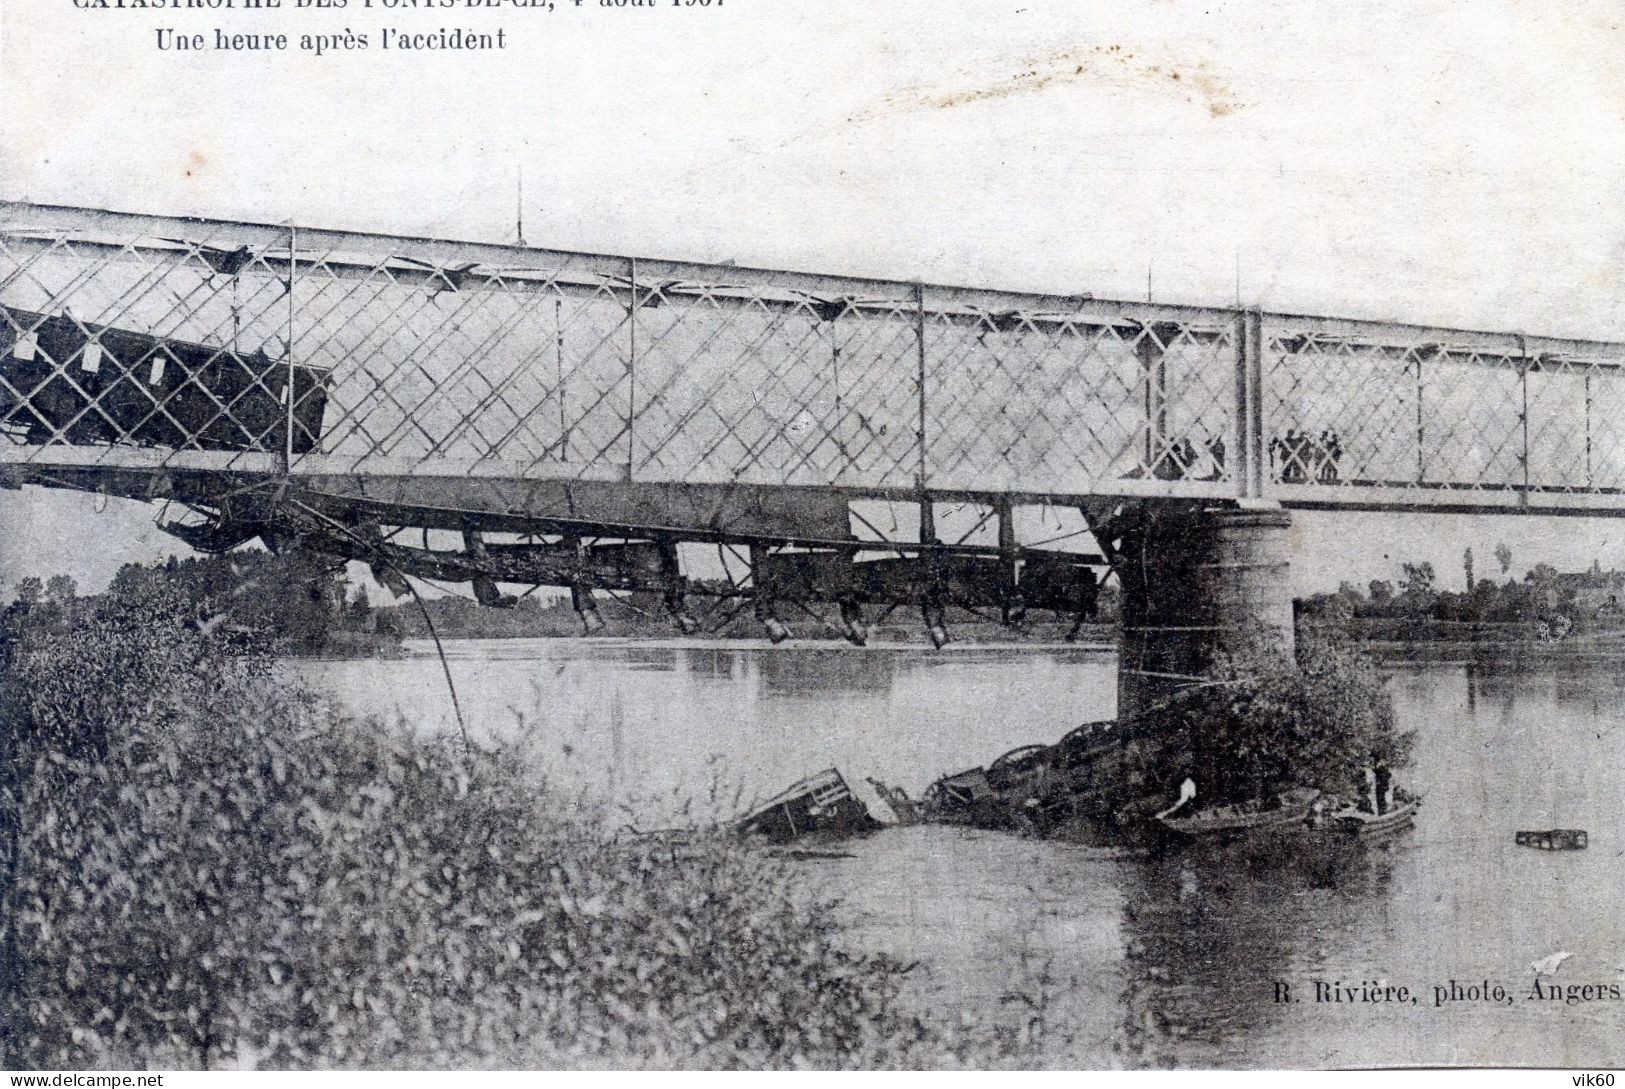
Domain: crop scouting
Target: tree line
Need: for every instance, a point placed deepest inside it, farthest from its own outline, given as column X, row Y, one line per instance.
column 298, row 600
column 1542, row 595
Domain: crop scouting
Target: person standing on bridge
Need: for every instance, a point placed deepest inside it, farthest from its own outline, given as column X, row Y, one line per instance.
column 1215, row 450
column 1329, row 450
column 1293, row 449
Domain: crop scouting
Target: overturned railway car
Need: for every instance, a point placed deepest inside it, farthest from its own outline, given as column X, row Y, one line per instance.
column 63, row 380
column 1100, row 778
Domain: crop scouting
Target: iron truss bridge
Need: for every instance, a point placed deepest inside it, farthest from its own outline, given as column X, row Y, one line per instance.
column 587, row 420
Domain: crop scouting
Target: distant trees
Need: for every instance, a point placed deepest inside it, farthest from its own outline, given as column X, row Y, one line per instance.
column 1418, row 580
column 1346, row 602
column 61, row 590
column 1541, row 595
column 1416, row 588
column 30, row 591
column 295, row 600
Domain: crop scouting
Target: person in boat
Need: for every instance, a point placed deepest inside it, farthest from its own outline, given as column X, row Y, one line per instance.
column 1383, row 781
column 1378, row 797
column 1187, row 792
column 1320, row 811
column 1088, row 594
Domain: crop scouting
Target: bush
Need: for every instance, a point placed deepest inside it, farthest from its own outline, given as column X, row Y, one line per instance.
column 207, row 867
column 1265, row 722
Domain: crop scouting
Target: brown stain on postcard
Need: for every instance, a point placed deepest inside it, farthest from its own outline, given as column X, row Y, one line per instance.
column 1115, row 65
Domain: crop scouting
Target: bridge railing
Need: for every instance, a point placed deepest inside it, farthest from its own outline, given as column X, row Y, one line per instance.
column 137, row 340
column 419, row 356
column 1438, row 417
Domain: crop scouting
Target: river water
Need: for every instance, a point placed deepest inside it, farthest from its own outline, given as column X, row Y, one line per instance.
column 1102, row 959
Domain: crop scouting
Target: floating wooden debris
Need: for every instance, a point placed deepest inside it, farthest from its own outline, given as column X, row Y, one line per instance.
column 1558, row 839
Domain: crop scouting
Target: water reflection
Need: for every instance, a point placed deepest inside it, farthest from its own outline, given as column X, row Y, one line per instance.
column 714, row 663
column 1210, row 934
column 1589, row 678
column 657, row 658
column 1490, row 684
column 813, row 671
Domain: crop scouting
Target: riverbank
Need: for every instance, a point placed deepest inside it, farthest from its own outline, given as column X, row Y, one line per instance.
column 1446, row 640
column 343, row 644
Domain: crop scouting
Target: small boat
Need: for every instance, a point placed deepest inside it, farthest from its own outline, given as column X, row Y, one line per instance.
column 1228, row 822
column 1557, row 839
column 819, row 803
column 1358, row 822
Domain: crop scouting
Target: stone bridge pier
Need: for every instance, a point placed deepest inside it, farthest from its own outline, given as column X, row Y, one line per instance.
column 1196, row 577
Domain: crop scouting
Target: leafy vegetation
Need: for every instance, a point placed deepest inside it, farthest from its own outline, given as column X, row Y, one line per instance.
column 1266, row 722
column 204, row 866
column 296, row 600
column 1594, row 598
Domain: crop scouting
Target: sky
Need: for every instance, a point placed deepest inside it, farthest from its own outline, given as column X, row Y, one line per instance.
column 1432, row 162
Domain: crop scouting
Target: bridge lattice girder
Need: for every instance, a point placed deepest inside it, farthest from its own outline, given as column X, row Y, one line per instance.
column 423, row 359
column 324, row 383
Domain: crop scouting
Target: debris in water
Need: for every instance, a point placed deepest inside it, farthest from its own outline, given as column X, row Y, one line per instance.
column 1558, row 839
column 821, row 803
column 906, row 809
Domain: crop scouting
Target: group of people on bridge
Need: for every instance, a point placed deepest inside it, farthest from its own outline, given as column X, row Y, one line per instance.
column 1180, row 461
column 1295, row 457
column 1299, row 458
